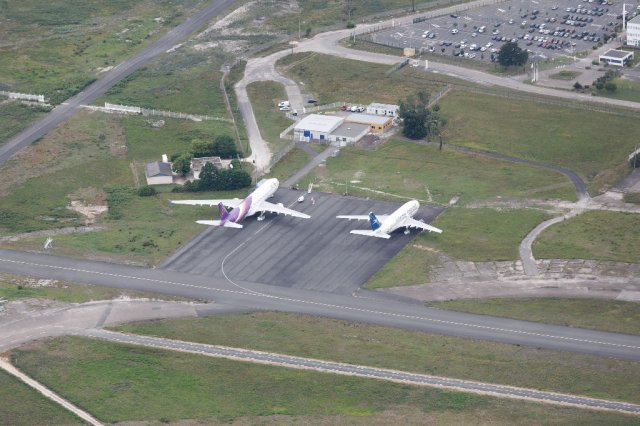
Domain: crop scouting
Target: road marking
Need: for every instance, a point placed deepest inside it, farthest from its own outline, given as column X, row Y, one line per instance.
column 330, row 305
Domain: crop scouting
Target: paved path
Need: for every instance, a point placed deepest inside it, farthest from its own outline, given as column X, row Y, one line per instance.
column 416, row 379
column 68, row 108
column 315, row 162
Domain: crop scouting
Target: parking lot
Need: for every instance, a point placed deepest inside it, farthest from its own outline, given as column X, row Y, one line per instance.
column 547, row 29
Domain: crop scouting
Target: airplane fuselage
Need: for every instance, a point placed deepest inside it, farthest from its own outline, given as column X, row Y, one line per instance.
column 248, row 206
column 407, row 210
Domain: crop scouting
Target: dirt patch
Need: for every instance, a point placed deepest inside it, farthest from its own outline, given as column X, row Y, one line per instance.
column 90, row 212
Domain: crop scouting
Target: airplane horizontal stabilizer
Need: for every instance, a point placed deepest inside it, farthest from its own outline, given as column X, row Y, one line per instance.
column 371, row 234
column 217, row 223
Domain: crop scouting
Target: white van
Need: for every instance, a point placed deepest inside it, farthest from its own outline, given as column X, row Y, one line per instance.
column 283, row 104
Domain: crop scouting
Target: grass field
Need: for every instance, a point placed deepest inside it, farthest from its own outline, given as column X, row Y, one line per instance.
column 79, row 161
column 598, row 235
column 565, row 75
column 410, row 351
column 183, row 81
column 412, row 265
column 418, row 171
column 289, row 164
column 627, row 90
column 120, row 383
column 597, row 314
column 264, row 96
column 58, row 48
column 15, row 117
column 23, row 406
column 633, row 198
column 353, row 82
column 552, row 134
column 14, row 287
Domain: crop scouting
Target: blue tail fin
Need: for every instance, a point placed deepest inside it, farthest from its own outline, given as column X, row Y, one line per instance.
column 375, row 223
column 222, row 212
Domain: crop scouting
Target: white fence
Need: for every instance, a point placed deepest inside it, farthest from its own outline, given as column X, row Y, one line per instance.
column 324, row 107
column 285, row 132
column 158, row 112
column 25, row 96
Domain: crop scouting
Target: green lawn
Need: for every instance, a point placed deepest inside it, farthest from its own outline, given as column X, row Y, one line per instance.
column 120, row 383
column 331, row 79
column 264, row 96
column 597, row 314
column 59, row 47
column 412, row 265
column 15, row 117
column 413, row 170
column 633, row 198
column 598, row 235
column 568, row 137
column 90, row 161
column 15, row 287
column 565, row 75
column 183, row 81
column 23, row 406
column 289, row 164
column 627, row 90
column 410, row 351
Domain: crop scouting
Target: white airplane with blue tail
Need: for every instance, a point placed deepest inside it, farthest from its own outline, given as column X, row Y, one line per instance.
column 382, row 226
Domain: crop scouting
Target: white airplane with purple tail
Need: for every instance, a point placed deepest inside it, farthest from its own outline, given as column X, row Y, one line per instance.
column 256, row 202
column 382, row 226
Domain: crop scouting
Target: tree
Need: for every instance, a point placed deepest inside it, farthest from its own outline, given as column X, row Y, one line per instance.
column 225, row 147
column 510, row 54
column 209, row 178
column 610, row 86
column 182, row 164
column 419, row 120
column 200, row 148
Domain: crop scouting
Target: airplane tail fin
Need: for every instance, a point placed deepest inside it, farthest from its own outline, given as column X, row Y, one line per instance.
column 375, row 223
column 222, row 212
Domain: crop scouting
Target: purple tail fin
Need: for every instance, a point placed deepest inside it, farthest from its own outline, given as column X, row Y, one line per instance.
column 222, row 212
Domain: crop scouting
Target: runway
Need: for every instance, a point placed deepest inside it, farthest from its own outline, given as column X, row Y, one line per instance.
column 315, row 254
column 375, row 310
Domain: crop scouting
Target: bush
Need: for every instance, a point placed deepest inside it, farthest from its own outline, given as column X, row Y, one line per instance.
column 577, row 86
column 147, row 191
column 117, row 197
column 595, row 62
column 350, row 24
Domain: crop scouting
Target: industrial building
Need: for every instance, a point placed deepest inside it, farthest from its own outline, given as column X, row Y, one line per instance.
column 633, row 32
column 316, row 127
column 348, row 133
column 376, row 123
column 616, row 57
column 383, row 109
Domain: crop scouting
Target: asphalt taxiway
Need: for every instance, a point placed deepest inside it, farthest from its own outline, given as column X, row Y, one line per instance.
column 314, row 254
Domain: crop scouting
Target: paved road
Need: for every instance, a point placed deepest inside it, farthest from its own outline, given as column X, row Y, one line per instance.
column 68, row 108
column 379, row 310
column 270, row 358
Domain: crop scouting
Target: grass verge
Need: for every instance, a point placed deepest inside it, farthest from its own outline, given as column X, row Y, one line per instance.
column 410, row 351
column 597, row 235
column 565, row 75
column 23, row 406
column 289, row 164
column 265, row 96
column 608, row 315
column 15, row 117
column 408, row 169
column 412, row 265
column 111, row 380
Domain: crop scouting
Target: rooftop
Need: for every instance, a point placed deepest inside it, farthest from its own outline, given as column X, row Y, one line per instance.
column 368, row 118
column 635, row 20
column 319, row 123
column 350, row 130
column 383, row 106
column 157, row 168
column 618, row 54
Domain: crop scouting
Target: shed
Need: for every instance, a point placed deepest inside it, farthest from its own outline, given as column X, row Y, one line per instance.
column 376, row 123
column 158, row 173
column 316, row 127
column 348, row 133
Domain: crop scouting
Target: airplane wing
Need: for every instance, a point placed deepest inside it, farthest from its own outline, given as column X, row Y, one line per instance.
column 232, row 203
column 381, row 218
column 217, row 223
column 371, row 234
column 266, row 206
column 412, row 223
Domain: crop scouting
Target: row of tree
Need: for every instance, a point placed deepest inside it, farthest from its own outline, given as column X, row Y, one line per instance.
column 221, row 146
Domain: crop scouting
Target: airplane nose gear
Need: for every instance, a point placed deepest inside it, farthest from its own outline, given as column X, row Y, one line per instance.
column 406, row 232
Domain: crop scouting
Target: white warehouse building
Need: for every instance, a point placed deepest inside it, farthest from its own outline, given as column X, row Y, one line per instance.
column 633, row 32
column 316, row 127
column 383, row 109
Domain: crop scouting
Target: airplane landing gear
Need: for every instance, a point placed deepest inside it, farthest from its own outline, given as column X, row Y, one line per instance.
column 406, row 231
column 261, row 217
